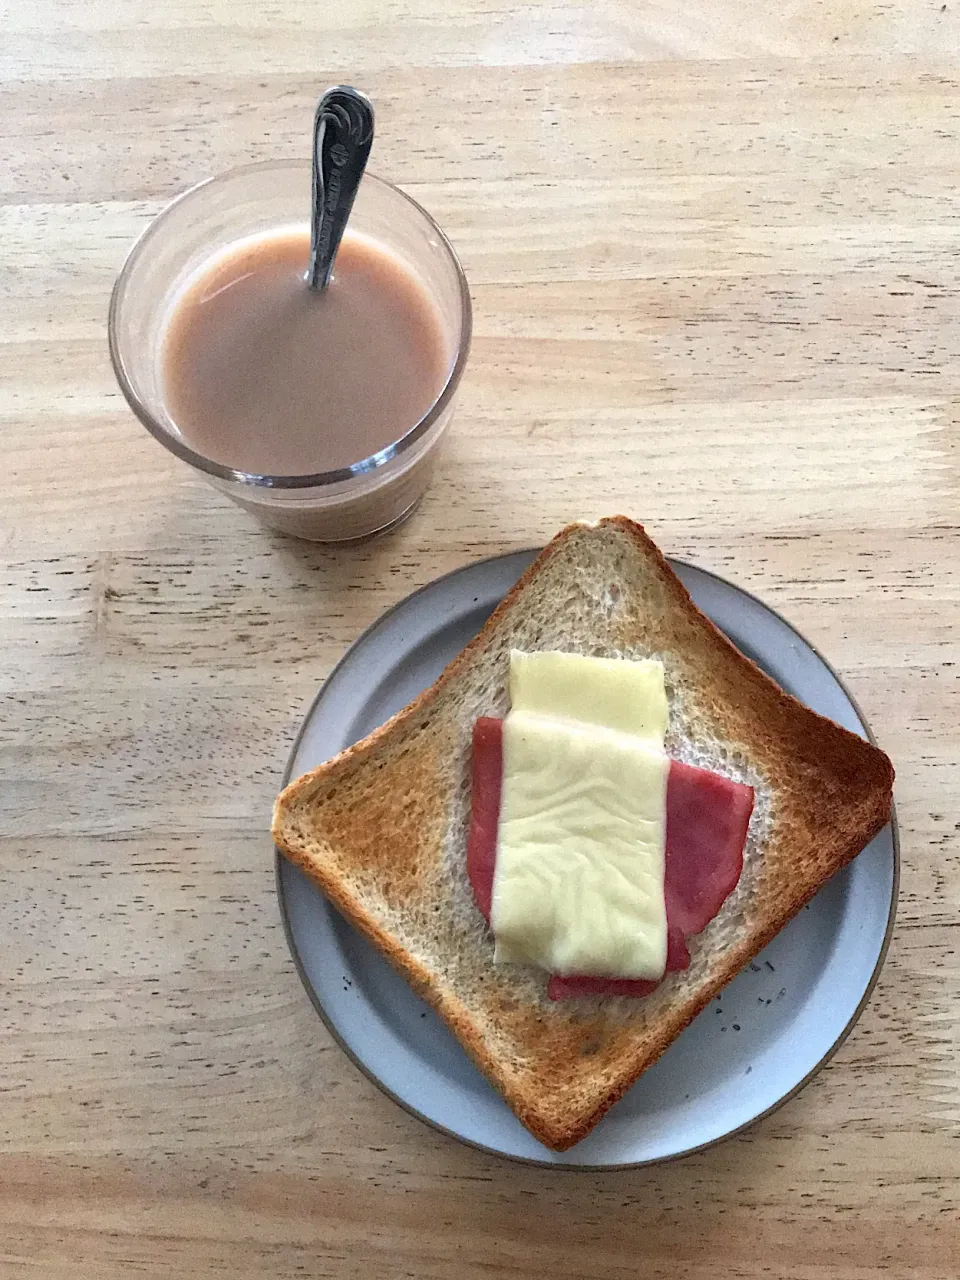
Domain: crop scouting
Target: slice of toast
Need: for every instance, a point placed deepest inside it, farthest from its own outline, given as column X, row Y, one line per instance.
column 382, row 828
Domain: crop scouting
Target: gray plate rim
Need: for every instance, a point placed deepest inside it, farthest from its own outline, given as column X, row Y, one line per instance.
column 529, row 1160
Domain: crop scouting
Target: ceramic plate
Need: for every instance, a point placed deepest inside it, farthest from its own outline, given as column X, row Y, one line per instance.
column 747, row 1052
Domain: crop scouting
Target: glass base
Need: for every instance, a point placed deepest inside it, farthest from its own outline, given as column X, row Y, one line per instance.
column 349, row 541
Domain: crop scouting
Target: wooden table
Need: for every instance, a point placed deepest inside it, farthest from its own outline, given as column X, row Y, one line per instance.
column 713, row 249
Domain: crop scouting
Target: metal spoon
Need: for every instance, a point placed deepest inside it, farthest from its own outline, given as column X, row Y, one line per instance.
column 342, row 136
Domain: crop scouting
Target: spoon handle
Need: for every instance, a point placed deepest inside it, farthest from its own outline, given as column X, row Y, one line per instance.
column 342, row 136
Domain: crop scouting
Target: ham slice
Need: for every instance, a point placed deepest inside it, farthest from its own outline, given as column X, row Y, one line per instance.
column 707, row 819
column 485, row 810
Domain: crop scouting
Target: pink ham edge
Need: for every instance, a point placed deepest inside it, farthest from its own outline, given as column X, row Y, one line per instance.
column 485, row 810
column 707, row 820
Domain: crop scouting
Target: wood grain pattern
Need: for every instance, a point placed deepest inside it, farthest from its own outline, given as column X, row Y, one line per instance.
column 713, row 254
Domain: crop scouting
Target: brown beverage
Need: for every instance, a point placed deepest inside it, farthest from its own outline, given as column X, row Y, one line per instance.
column 264, row 375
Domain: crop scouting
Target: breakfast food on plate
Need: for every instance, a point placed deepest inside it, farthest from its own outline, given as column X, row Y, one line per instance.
column 590, row 823
column 591, row 853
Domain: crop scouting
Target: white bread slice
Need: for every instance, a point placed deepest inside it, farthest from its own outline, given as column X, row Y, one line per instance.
column 382, row 827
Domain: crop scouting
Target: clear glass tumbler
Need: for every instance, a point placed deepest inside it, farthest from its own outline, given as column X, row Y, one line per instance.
column 373, row 494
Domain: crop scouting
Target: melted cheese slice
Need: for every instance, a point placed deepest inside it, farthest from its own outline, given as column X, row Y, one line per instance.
column 608, row 692
column 578, row 884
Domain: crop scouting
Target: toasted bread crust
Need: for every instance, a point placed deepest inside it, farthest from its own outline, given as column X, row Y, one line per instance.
column 381, row 827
